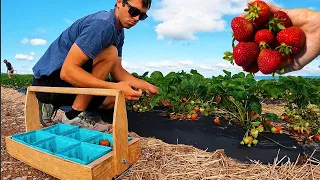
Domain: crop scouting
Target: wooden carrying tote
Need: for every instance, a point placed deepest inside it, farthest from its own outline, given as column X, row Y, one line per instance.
column 124, row 153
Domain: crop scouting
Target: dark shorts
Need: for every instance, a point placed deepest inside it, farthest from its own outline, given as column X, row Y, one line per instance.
column 58, row 100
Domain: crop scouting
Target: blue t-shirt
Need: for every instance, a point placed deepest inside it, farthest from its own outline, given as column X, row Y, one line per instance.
column 92, row 34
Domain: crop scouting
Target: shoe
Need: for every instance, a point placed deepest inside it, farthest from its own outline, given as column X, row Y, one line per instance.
column 46, row 113
column 85, row 121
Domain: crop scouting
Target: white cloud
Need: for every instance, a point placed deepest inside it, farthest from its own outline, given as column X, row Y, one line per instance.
column 40, row 30
column 313, row 8
column 37, row 42
column 182, row 19
column 34, row 42
column 25, row 41
column 68, row 21
column 206, row 69
column 29, row 57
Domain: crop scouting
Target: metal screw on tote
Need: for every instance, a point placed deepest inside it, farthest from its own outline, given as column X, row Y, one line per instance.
column 124, row 161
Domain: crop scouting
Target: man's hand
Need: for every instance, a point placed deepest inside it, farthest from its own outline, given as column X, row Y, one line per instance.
column 151, row 89
column 145, row 86
column 129, row 93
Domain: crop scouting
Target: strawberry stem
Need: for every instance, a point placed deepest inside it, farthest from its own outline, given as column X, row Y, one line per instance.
column 233, row 40
column 284, row 49
column 292, row 147
column 264, row 46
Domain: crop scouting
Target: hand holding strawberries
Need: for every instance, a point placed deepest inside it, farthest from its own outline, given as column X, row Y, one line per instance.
column 270, row 38
column 308, row 21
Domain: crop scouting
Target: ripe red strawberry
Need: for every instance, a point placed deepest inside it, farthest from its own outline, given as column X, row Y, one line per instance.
column 285, row 60
column 245, row 53
column 279, row 21
column 280, row 15
column 264, row 38
column 275, row 44
column 194, row 116
column 258, row 12
column 292, row 36
column 252, row 68
column 269, row 60
column 279, row 128
column 242, row 29
column 218, row 99
column 217, row 121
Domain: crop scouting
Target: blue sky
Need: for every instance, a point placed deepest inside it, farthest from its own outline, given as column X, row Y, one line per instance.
column 178, row 35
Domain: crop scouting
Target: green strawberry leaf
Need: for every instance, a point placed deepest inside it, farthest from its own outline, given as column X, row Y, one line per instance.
column 155, row 99
column 270, row 116
column 257, row 123
column 228, row 53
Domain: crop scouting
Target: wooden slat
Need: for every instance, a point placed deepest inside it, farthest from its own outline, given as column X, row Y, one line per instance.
column 120, row 134
column 32, row 120
column 71, row 90
column 134, row 150
column 47, row 163
column 103, row 168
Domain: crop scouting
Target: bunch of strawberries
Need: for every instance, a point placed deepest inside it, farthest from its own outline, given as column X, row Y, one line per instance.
column 266, row 41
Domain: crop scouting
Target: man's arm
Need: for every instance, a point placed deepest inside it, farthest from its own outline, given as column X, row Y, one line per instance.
column 72, row 72
column 120, row 74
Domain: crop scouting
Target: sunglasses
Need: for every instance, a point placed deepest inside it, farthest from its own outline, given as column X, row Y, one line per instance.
column 133, row 11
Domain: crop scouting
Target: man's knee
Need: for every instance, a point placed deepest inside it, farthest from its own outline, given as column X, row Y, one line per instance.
column 107, row 55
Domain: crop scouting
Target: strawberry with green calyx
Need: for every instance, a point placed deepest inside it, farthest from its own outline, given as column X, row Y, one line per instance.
column 279, row 21
column 292, row 40
column 245, row 53
column 258, row 13
column 264, row 38
column 254, row 133
column 278, row 128
column 269, row 61
column 273, row 130
column 194, row 116
column 251, row 68
column 242, row 29
column 246, row 140
column 285, row 60
column 260, row 128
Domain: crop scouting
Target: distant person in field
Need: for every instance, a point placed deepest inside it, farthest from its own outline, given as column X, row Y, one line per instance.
column 84, row 55
column 10, row 70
